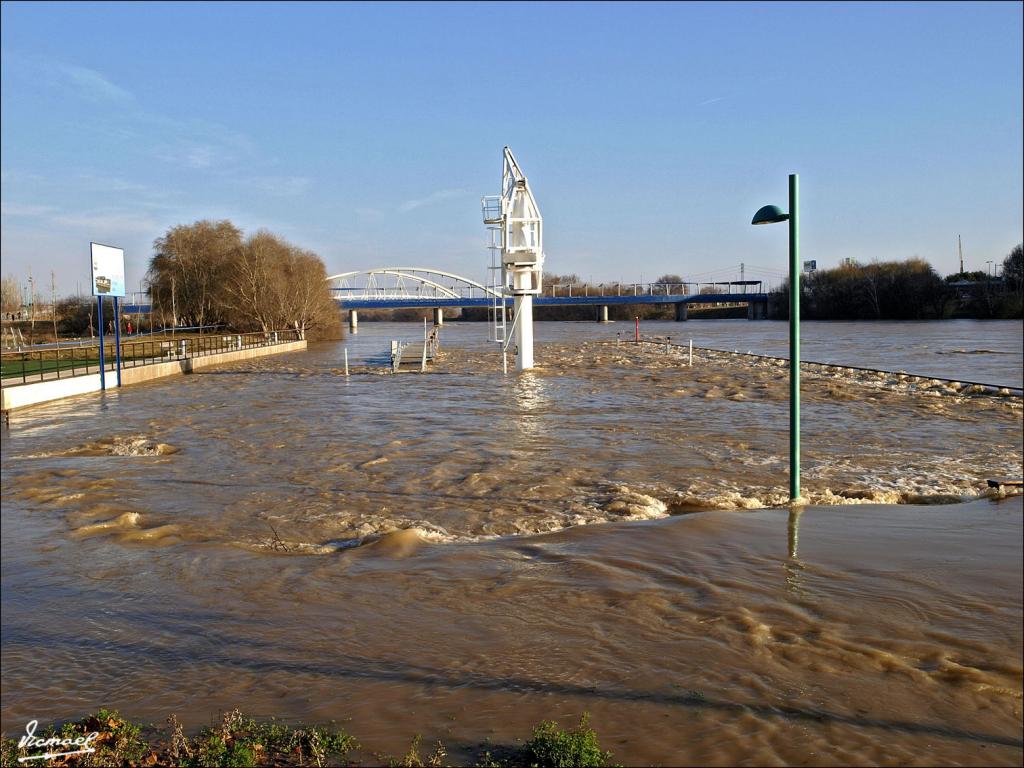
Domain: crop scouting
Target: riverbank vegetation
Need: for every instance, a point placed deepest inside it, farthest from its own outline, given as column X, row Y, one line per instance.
column 238, row 740
column 205, row 275
column 905, row 290
column 208, row 273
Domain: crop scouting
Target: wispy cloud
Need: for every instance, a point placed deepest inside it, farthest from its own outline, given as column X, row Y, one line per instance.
column 436, row 197
column 103, row 183
column 279, row 186
column 92, row 85
column 97, row 221
column 712, row 100
column 110, row 220
column 200, row 156
column 189, row 143
column 197, row 144
column 20, row 209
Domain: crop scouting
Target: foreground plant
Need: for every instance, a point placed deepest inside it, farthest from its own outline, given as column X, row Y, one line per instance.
column 552, row 747
column 104, row 738
column 238, row 741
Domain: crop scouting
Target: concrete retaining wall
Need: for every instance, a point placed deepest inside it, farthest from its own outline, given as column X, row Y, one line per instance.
column 24, row 395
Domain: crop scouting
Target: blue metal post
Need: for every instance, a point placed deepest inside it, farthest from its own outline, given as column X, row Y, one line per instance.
column 117, row 340
column 99, row 321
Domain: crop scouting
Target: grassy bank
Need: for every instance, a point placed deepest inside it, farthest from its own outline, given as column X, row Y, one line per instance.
column 238, row 740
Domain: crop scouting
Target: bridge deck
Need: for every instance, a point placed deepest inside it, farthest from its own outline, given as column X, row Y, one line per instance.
column 538, row 301
column 551, row 301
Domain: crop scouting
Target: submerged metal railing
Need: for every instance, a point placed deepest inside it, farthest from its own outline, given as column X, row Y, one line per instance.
column 423, row 352
column 30, row 366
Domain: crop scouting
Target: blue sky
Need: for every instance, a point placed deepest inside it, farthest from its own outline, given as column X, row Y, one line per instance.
column 650, row 132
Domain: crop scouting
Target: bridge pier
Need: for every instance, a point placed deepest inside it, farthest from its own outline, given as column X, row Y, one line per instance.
column 438, row 316
column 353, row 320
column 602, row 314
column 682, row 309
column 757, row 310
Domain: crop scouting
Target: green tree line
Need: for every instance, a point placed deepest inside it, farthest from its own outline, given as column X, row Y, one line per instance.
column 905, row 290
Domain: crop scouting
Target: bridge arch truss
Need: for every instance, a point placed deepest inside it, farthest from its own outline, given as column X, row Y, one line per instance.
column 405, row 284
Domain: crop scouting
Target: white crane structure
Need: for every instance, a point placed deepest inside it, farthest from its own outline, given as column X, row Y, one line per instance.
column 516, row 228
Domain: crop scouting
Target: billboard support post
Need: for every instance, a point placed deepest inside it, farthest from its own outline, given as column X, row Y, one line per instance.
column 117, row 339
column 99, row 322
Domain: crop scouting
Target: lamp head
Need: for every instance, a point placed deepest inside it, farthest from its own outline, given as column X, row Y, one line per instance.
column 769, row 214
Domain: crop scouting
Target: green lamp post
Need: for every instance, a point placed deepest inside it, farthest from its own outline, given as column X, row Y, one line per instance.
column 770, row 214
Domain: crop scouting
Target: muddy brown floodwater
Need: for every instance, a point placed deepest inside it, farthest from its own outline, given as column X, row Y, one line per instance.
column 463, row 554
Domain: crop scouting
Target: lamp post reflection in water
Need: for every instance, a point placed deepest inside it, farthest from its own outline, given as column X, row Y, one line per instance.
column 793, row 566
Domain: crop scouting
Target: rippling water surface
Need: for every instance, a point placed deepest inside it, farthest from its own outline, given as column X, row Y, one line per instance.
column 462, row 554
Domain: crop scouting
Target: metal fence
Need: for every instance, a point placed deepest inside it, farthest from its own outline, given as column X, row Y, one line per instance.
column 559, row 290
column 30, row 366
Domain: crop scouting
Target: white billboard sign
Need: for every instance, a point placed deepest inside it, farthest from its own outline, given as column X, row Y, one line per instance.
column 107, row 270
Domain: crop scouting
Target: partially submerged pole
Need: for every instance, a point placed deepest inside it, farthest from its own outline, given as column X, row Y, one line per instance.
column 794, row 337
column 524, row 332
column 770, row 214
column 346, row 361
column 423, row 360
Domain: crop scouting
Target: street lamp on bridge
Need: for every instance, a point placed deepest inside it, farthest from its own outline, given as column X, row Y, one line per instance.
column 771, row 214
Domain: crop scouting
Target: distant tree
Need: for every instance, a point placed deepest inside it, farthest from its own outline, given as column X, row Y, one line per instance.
column 1013, row 268
column 306, row 303
column 10, row 296
column 977, row 276
column 250, row 290
column 668, row 280
column 189, row 268
column 894, row 290
column 570, row 279
column 74, row 315
column 205, row 273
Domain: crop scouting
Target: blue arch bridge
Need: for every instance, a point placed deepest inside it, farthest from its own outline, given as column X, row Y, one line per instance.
column 403, row 287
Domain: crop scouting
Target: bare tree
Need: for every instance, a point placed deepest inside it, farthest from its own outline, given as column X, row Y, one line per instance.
column 53, row 305
column 306, row 302
column 210, row 274
column 251, row 286
column 192, row 262
column 10, row 296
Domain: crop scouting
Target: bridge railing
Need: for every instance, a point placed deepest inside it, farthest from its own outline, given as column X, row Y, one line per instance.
column 66, row 362
column 569, row 290
column 425, row 292
column 553, row 290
